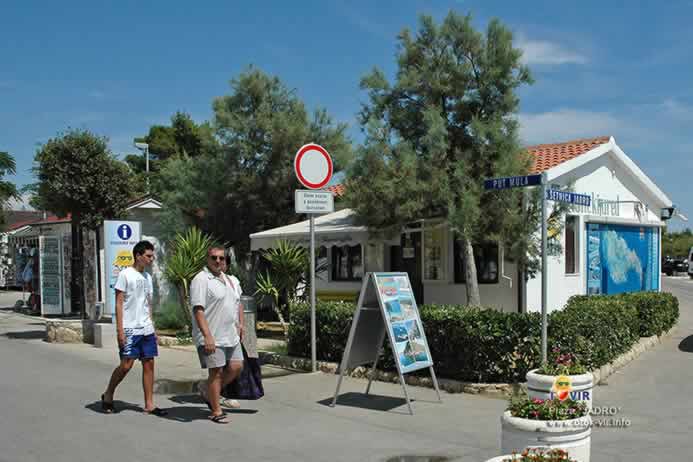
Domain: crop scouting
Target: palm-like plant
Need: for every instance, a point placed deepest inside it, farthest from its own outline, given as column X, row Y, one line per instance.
column 289, row 262
column 266, row 287
column 187, row 258
column 8, row 189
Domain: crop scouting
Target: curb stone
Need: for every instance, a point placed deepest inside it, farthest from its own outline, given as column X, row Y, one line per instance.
column 491, row 390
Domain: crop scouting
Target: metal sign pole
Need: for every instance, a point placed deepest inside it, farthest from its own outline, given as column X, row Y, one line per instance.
column 544, row 272
column 312, row 291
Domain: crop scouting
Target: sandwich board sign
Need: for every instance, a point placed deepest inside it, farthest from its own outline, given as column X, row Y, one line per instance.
column 387, row 308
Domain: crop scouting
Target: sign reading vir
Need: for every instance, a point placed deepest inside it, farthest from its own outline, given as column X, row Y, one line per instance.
column 387, row 308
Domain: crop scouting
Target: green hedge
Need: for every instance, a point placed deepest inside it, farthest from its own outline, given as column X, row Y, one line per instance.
column 658, row 311
column 485, row 345
column 596, row 329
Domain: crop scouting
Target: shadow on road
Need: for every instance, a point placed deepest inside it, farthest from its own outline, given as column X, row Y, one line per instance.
column 686, row 344
column 194, row 398
column 119, row 406
column 27, row 335
column 361, row 400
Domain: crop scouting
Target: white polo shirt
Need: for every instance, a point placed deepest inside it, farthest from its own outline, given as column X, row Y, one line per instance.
column 220, row 299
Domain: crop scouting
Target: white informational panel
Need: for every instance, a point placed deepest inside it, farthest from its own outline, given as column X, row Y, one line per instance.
column 119, row 239
column 387, row 307
column 51, row 274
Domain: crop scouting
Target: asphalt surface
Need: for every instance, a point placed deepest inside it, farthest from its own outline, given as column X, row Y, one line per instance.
column 50, row 412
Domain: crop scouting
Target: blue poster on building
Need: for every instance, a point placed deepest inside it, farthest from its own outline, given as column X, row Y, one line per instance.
column 622, row 258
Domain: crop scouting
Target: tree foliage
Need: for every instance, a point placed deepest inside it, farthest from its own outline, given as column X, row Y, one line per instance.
column 78, row 175
column 445, row 124
column 677, row 243
column 248, row 184
column 8, row 190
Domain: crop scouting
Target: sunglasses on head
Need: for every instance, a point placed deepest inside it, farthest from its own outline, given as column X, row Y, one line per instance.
column 216, row 257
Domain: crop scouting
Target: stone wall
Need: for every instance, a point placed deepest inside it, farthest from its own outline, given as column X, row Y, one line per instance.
column 69, row 331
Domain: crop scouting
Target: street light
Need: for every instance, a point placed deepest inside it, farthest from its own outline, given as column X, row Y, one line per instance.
column 144, row 147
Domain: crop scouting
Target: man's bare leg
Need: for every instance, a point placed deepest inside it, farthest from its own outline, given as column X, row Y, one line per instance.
column 117, row 376
column 148, row 383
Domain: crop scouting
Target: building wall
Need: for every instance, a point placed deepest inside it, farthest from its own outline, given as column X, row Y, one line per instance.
column 607, row 181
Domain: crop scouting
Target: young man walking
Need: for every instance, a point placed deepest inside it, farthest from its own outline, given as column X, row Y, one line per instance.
column 135, row 329
column 217, row 321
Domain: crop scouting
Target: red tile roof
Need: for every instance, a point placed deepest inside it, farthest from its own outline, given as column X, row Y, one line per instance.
column 337, row 190
column 546, row 156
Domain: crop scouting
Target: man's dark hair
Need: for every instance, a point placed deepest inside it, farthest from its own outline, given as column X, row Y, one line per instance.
column 141, row 246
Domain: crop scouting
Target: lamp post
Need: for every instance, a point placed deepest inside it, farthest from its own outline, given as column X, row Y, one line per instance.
column 144, row 147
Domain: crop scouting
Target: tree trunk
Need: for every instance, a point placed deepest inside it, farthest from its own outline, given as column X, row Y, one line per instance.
column 77, row 270
column 185, row 307
column 471, row 284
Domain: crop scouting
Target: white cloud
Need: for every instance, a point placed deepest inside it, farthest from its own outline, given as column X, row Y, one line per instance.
column 567, row 124
column 544, row 52
column 96, row 94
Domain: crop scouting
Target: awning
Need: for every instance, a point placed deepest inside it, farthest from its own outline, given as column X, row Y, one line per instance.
column 338, row 228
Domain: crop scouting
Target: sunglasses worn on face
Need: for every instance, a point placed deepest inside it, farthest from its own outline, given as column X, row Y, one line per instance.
column 216, row 258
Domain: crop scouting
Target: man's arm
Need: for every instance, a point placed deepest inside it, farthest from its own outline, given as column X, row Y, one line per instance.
column 241, row 320
column 120, row 298
column 199, row 313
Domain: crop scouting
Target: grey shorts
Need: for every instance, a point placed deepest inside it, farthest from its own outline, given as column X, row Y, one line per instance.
column 220, row 357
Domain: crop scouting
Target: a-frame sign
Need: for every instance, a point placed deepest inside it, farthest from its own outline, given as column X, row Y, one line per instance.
column 387, row 307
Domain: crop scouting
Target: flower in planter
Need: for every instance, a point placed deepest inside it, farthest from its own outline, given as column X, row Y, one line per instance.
column 540, row 455
column 549, row 409
column 562, row 364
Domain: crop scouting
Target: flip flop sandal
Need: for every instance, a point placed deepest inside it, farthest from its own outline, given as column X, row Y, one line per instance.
column 157, row 412
column 107, row 406
column 220, row 419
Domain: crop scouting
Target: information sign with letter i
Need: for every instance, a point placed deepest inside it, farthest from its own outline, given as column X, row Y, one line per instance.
column 387, row 307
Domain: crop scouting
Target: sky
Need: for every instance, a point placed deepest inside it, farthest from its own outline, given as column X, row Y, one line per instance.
column 615, row 68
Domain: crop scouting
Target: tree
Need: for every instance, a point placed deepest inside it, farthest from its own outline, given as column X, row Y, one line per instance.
column 445, row 124
column 248, row 184
column 78, row 176
column 184, row 138
column 8, row 190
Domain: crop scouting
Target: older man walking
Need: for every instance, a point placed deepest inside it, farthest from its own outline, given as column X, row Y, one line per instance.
column 217, row 321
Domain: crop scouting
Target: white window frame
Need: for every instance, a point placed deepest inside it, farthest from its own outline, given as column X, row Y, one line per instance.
column 445, row 252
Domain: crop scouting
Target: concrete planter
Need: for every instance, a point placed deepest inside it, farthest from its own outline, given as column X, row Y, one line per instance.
column 573, row 436
column 540, row 386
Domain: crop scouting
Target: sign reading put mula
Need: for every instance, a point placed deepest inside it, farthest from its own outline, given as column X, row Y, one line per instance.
column 387, row 307
column 512, row 182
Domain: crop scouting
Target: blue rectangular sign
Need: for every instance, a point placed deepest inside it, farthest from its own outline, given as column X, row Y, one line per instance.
column 512, row 182
column 569, row 197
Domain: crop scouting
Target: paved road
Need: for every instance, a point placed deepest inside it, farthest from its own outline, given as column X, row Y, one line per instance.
column 49, row 413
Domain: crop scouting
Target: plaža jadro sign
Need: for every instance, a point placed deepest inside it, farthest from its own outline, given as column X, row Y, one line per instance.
column 308, row 201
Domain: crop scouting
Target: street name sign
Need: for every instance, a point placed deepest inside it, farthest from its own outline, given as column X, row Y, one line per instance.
column 512, row 182
column 568, row 197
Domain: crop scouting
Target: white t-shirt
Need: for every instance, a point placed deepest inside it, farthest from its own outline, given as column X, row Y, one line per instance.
column 138, row 290
column 220, row 298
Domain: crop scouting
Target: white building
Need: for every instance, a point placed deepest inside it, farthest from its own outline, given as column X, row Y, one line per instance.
column 609, row 247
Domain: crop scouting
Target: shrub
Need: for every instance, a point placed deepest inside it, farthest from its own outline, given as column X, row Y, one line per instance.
column 559, row 363
column 657, row 311
column 486, row 345
column 170, row 316
column 596, row 329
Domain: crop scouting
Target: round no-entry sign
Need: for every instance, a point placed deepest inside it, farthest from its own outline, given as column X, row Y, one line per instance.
column 313, row 166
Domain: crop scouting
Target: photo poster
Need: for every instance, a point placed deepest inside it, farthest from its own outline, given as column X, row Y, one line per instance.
column 402, row 320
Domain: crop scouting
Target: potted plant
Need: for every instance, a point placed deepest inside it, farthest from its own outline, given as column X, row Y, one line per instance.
column 552, row 423
column 536, row 455
column 562, row 377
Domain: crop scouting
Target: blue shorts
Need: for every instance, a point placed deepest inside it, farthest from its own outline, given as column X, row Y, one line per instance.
column 139, row 346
